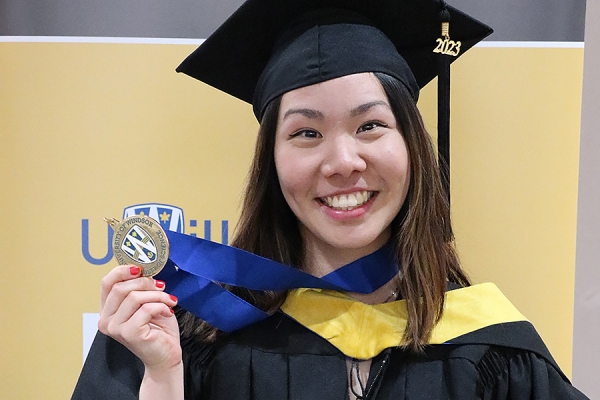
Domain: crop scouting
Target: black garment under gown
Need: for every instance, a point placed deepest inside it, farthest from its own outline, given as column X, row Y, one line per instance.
column 279, row 359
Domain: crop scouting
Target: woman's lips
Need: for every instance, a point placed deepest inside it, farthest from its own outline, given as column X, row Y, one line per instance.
column 347, row 212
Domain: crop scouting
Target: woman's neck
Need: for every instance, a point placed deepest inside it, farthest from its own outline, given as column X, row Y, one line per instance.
column 322, row 260
column 386, row 293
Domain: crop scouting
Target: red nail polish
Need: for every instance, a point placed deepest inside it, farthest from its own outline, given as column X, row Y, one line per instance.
column 135, row 270
column 172, row 311
column 159, row 284
column 173, row 298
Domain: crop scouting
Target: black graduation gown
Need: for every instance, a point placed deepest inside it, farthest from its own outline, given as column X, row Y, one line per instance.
column 279, row 359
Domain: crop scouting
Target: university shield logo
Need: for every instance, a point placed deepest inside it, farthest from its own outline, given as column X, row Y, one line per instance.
column 139, row 245
column 169, row 217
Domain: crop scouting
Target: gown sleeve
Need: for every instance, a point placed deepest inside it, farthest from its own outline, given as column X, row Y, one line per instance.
column 522, row 375
column 111, row 371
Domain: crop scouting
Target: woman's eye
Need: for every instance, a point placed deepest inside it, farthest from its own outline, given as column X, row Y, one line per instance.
column 370, row 126
column 306, row 133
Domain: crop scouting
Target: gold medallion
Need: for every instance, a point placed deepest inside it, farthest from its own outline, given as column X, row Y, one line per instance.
column 140, row 240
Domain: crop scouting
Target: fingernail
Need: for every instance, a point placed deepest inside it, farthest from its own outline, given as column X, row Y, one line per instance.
column 159, row 284
column 173, row 298
column 135, row 270
column 172, row 311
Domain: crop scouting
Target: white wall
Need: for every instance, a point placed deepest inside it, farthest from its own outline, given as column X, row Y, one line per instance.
column 586, row 335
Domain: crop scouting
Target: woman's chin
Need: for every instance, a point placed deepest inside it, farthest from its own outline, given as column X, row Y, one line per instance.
column 349, row 243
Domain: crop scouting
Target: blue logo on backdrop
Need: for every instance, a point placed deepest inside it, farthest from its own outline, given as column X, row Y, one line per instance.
column 170, row 217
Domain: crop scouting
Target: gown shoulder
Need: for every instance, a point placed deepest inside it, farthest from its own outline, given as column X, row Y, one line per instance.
column 278, row 359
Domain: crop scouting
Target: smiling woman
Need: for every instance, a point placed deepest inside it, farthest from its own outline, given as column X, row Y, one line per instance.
column 344, row 174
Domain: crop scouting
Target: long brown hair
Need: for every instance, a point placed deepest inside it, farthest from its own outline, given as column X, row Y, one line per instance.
column 421, row 232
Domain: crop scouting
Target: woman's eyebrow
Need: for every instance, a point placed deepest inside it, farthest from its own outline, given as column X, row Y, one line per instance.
column 363, row 108
column 307, row 112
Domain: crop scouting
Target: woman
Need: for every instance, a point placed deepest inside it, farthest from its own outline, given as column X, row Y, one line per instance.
column 343, row 168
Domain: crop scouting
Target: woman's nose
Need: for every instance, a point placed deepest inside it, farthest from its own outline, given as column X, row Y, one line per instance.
column 343, row 157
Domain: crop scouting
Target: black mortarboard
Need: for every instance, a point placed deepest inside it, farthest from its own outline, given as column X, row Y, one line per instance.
column 269, row 47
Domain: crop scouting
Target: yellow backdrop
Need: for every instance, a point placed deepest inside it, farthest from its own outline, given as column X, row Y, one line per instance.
column 89, row 129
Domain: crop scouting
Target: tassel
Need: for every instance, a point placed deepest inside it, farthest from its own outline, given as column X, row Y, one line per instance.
column 444, row 100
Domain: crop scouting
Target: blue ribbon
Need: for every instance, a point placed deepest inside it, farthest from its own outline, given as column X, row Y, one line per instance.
column 196, row 266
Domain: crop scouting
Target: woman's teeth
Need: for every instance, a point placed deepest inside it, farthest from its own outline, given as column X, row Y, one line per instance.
column 348, row 201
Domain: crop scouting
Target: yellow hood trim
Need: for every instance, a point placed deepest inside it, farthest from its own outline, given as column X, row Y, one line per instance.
column 362, row 331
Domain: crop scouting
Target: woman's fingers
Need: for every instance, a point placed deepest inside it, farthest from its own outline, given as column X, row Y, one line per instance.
column 120, row 290
column 150, row 316
column 151, row 333
column 124, row 292
column 135, row 302
column 138, row 313
column 117, row 274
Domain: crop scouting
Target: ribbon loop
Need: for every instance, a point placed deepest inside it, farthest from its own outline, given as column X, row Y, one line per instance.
column 202, row 265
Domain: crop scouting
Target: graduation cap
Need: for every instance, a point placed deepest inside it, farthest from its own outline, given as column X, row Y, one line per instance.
column 269, row 47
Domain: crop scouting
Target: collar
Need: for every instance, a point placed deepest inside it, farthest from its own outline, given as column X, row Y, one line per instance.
column 362, row 331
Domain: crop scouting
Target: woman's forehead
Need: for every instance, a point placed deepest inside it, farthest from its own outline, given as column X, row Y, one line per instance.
column 348, row 92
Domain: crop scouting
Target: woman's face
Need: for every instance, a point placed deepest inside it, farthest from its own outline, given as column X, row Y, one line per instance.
column 342, row 163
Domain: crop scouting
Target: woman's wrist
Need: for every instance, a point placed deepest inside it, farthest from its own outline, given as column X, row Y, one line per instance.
column 163, row 383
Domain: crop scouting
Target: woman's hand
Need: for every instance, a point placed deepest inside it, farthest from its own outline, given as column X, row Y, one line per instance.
column 137, row 312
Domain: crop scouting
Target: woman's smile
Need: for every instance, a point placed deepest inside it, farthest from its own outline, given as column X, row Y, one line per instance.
column 347, row 202
column 346, row 207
